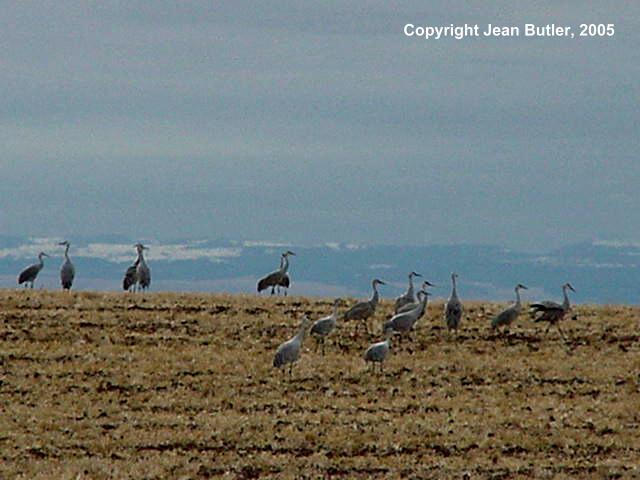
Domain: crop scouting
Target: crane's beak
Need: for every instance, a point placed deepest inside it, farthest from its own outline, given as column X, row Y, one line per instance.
column 428, row 284
column 570, row 287
column 416, row 274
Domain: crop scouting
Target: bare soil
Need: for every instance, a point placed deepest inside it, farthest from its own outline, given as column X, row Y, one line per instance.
column 162, row 385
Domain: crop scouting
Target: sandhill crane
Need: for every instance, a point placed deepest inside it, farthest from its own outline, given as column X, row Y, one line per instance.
column 323, row 327
column 364, row 310
column 377, row 352
column 404, row 322
column 278, row 278
column 409, row 296
column 453, row 307
column 143, row 273
column 506, row 317
column 410, row 306
column 67, row 270
column 137, row 275
column 552, row 312
column 29, row 274
column 289, row 351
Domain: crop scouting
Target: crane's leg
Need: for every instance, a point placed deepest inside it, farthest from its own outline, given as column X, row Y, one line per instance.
column 561, row 333
column 290, row 371
column 285, row 292
column 323, row 346
column 273, row 290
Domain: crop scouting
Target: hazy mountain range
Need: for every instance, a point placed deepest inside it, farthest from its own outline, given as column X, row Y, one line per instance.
column 601, row 272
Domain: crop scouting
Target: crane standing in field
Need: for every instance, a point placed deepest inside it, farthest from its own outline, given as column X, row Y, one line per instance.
column 138, row 275
column 506, row 317
column 409, row 296
column 278, row 278
column 453, row 307
column 29, row 274
column 324, row 326
column 552, row 312
column 364, row 310
column 142, row 269
column 403, row 323
column 377, row 352
column 289, row 351
column 67, row 270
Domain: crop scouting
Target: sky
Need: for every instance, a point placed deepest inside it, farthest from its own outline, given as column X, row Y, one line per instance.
column 295, row 122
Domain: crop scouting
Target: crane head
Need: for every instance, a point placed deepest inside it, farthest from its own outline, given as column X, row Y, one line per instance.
column 426, row 284
column 64, row 243
column 42, row 254
column 377, row 281
column 414, row 274
column 287, row 253
column 568, row 285
column 521, row 286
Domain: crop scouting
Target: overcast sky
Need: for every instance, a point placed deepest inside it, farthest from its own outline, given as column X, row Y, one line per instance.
column 290, row 121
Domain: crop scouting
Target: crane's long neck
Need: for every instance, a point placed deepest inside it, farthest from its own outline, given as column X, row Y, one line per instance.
column 375, row 297
column 40, row 262
column 566, row 304
column 335, row 309
column 410, row 291
column 518, row 303
column 284, row 264
column 454, row 291
column 301, row 332
column 140, row 257
column 66, row 252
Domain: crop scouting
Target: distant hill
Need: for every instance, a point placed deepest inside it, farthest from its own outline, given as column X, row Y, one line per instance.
column 601, row 272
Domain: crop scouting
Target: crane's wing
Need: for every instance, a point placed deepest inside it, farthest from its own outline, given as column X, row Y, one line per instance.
column 269, row 280
column 28, row 273
column 129, row 277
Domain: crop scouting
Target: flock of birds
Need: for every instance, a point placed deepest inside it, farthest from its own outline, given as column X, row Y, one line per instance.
column 408, row 308
column 137, row 277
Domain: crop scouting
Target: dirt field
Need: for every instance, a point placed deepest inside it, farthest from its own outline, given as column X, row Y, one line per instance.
column 99, row 385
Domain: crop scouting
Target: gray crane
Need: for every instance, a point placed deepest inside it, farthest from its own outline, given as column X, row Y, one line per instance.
column 409, row 296
column 403, row 323
column 552, row 312
column 67, row 270
column 410, row 306
column 143, row 273
column 506, row 317
column 278, row 278
column 377, row 352
column 364, row 310
column 29, row 274
column 322, row 327
column 453, row 307
column 138, row 274
column 289, row 351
